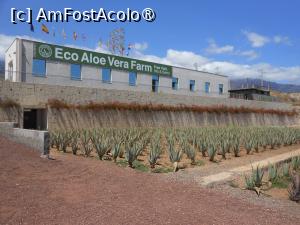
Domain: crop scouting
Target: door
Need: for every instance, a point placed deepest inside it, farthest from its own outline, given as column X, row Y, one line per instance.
column 30, row 119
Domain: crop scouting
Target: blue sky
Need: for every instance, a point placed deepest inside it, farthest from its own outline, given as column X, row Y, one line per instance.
column 235, row 38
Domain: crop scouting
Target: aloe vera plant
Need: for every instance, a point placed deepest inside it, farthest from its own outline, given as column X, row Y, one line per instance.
column 249, row 182
column 65, row 138
column 75, row 144
column 273, row 172
column 155, row 152
column 236, row 146
column 131, row 153
column 212, row 150
column 174, row 155
column 286, row 169
column 258, row 175
column 295, row 163
column 101, row 144
column 86, row 143
column 115, row 151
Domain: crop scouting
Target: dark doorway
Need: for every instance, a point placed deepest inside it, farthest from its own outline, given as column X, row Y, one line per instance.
column 30, row 119
column 35, row 119
column 155, row 83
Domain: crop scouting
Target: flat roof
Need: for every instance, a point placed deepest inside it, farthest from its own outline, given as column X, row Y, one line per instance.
column 248, row 89
column 180, row 67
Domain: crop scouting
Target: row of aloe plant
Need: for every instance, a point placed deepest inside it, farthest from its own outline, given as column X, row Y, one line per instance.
column 208, row 141
column 289, row 169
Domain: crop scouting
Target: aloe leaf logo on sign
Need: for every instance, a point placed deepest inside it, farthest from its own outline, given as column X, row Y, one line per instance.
column 45, row 51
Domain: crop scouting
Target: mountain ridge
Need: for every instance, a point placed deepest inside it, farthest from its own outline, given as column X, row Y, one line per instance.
column 249, row 82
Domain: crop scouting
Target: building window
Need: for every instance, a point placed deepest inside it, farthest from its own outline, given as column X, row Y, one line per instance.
column 221, row 90
column 207, row 87
column 106, row 75
column 192, row 85
column 132, row 78
column 175, row 83
column 39, row 67
column 75, row 72
column 155, row 83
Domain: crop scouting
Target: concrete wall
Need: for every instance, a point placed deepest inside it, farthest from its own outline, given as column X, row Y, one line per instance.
column 38, row 140
column 38, row 95
column 66, row 119
column 10, row 114
column 58, row 73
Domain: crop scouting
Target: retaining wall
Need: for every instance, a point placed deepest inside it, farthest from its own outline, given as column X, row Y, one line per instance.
column 37, row 95
column 38, row 140
column 64, row 119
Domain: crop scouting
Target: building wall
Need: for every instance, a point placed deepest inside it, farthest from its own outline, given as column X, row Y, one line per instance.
column 11, row 59
column 58, row 73
column 28, row 94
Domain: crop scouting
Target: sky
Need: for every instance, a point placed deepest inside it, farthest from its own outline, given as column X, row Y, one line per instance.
column 249, row 38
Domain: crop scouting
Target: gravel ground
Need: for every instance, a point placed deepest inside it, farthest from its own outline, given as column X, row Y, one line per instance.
column 75, row 190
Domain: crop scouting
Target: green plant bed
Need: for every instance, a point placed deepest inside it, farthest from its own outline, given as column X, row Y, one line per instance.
column 162, row 170
column 281, row 182
column 199, row 163
column 137, row 165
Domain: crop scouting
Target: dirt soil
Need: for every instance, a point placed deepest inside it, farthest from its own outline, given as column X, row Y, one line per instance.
column 75, row 190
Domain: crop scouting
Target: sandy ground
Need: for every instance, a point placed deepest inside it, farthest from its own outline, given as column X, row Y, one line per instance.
column 75, row 190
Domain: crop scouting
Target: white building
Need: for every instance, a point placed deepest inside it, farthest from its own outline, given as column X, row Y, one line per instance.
column 35, row 62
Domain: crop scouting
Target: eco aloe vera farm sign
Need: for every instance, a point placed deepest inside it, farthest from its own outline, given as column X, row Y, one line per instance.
column 81, row 56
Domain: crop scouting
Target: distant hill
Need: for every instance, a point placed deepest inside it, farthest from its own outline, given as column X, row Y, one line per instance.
column 286, row 88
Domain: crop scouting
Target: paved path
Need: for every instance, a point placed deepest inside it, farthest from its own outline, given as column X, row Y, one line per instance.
column 226, row 175
column 74, row 190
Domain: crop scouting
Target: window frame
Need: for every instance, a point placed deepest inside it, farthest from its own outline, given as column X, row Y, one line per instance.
column 220, row 93
column 105, row 81
column 44, row 68
column 175, row 88
column 74, row 77
column 192, row 86
column 207, row 91
column 135, row 78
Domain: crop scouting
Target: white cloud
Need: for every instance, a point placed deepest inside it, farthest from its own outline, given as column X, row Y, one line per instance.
column 188, row 59
column 250, row 54
column 140, row 46
column 256, row 40
column 282, row 40
column 233, row 70
column 213, row 48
